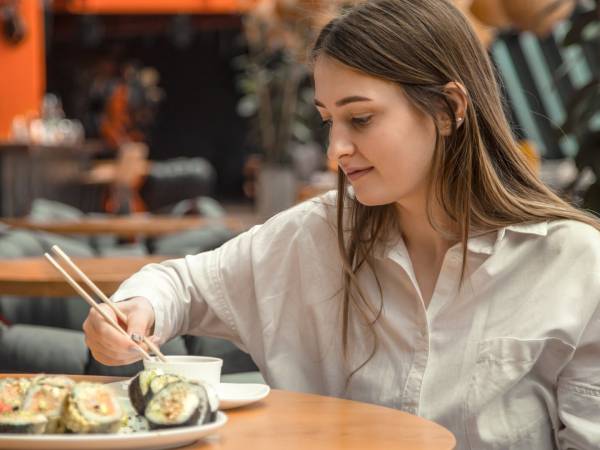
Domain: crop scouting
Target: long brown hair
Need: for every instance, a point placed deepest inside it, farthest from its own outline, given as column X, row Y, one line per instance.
column 479, row 175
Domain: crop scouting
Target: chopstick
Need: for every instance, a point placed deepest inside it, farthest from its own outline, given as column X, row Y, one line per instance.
column 56, row 249
column 103, row 297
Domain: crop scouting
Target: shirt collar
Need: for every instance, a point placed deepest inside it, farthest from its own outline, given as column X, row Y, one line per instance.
column 485, row 243
column 536, row 228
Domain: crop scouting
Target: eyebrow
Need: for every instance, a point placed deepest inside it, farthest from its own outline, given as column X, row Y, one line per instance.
column 345, row 101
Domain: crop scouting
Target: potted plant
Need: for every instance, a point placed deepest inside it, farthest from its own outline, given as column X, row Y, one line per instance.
column 277, row 93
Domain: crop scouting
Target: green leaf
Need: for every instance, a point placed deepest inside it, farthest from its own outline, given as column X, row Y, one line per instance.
column 592, row 31
column 576, row 35
column 247, row 85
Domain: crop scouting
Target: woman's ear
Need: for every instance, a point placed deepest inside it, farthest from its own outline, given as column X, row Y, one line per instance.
column 457, row 96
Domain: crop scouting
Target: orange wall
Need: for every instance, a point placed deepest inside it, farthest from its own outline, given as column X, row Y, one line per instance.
column 22, row 69
column 154, row 6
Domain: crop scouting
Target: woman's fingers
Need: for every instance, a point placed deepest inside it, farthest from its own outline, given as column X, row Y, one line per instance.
column 111, row 346
column 110, row 358
column 140, row 320
column 98, row 329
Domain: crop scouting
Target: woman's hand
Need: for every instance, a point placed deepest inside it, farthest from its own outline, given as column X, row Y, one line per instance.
column 109, row 346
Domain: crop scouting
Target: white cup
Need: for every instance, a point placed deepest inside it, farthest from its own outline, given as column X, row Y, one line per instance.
column 201, row 368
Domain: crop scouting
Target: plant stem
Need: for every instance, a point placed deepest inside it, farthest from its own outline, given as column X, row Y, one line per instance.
column 288, row 108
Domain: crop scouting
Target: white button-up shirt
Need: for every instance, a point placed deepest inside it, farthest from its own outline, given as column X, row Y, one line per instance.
column 509, row 361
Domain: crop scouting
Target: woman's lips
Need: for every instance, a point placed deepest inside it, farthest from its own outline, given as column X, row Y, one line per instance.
column 356, row 174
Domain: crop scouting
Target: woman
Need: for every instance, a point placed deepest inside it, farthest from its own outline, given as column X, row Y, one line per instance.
column 443, row 279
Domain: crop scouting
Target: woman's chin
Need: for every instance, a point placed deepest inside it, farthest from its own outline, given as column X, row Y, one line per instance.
column 371, row 199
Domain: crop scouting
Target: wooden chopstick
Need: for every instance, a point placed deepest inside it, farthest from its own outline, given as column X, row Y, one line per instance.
column 56, row 249
column 93, row 304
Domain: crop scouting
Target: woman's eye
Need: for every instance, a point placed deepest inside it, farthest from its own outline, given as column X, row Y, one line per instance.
column 361, row 121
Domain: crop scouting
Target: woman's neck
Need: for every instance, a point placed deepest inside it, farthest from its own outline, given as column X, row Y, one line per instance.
column 426, row 246
column 420, row 236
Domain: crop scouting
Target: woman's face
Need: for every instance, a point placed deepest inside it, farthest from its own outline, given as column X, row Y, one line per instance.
column 381, row 141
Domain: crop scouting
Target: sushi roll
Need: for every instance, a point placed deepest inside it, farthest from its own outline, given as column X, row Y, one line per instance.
column 139, row 389
column 177, row 404
column 22, row 422
column 48, row 400
column 92, row 408
column 12, row 392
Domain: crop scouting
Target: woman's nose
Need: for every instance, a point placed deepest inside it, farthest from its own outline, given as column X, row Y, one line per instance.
column 339, row 147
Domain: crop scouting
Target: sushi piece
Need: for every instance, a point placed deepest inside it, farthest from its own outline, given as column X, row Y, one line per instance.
column 177, row 404
column 12, row 392
column 212, row 397
column 55, row 380
column 92, row 408
column 49, row 400
column 22, row 422
column 146, row 385
column 139, row 389
column 160, row 381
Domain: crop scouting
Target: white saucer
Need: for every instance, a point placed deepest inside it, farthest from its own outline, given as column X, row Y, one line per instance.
column 231, row 395
column 234, row 395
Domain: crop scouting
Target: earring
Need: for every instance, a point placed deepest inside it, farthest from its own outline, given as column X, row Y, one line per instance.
column 459, row 120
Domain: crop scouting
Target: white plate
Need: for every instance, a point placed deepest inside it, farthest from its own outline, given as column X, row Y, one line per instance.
column 234, row 395
column 125, row 439
column 147, row 440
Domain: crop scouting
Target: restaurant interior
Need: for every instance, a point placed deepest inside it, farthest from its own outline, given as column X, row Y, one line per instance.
column 136, row 131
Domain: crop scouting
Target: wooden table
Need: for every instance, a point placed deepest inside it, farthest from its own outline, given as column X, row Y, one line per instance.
column 36, row 277
column 127, row 226
column 290, row 421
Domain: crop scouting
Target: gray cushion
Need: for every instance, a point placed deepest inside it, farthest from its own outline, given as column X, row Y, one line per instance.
column 42, row 209
column 58, row 312
column 234, row 360
column 69, row 312
column 74, row 246
column 114, row 251
column 27, row 348
column 25, row 241
column 192, row 242
column 9, row 249
column 205, row 206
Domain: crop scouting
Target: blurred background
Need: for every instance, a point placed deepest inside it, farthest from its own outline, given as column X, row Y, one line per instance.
column 131, row 129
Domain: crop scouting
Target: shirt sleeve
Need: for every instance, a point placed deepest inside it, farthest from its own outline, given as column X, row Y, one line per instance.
column 579, row 392
column 238, row 290
column 185, row 296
